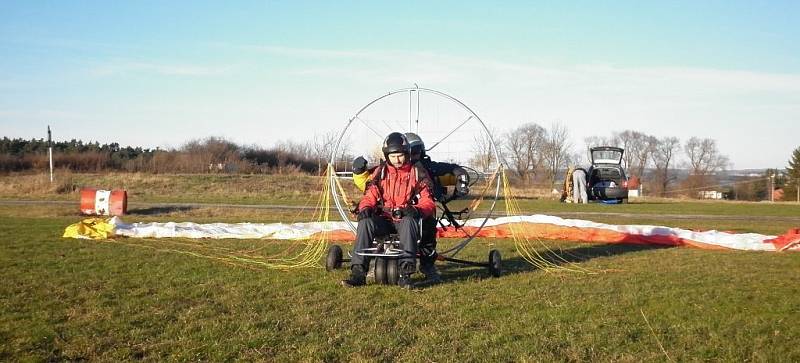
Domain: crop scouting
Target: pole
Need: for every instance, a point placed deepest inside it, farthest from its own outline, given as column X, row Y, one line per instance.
column 50, row 151
column 771, row 187
column 417, row 115
column 410, row 109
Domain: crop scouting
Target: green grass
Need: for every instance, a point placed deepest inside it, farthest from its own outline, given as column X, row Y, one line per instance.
column 66, row 299
column 300, row 190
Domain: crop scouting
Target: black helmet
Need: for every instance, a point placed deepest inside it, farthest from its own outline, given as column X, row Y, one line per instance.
column 415, row 144
column 395, row 143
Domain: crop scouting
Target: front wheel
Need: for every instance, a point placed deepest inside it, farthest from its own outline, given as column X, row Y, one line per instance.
column 380, row 270
column 392, row 272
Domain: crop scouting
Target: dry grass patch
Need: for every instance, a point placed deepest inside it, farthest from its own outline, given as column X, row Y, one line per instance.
column 141, row 187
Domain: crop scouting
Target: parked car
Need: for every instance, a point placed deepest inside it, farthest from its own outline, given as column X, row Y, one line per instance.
column 606, row 178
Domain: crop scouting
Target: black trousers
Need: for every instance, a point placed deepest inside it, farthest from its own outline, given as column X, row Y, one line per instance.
column 407, row 230
column 427, row 244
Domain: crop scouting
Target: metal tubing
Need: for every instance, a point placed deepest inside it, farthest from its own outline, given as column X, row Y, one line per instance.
column 343, row 210
column 464, row 262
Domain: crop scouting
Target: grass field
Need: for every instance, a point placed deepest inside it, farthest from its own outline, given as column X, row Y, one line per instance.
column 135, row 299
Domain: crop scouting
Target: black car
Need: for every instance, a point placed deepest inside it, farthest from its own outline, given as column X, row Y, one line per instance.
column 606, row 178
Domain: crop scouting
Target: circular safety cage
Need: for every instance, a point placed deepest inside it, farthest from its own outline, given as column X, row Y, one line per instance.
column 451, row 132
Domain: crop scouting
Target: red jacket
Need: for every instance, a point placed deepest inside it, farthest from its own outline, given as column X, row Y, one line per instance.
column 397, row 187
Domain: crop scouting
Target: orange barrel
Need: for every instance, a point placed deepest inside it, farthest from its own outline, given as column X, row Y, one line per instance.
column 633, row 183
column 104, row 202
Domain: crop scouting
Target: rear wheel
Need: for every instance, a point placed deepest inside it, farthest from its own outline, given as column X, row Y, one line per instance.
column 334, row 258
column 495, row 263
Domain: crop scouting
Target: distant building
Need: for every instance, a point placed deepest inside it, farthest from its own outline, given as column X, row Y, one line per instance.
column 710, row 194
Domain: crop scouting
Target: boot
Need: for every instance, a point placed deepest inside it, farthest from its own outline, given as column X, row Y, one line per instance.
column 428, row 268
column 405, row 281
column 371, row 272
column 358, row 277
column 406, row 270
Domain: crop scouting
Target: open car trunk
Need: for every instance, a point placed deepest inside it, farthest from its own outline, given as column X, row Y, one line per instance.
column 605, row 177
column 608, row 182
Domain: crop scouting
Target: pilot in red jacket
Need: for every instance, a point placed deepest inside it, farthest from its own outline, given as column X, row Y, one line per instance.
column 398, row 196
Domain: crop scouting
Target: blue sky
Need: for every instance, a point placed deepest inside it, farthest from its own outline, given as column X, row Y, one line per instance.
column 161, row 73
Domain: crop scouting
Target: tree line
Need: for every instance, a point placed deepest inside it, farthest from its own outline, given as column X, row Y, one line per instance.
column 536, row 155
column 212, row 154
column 666, row 165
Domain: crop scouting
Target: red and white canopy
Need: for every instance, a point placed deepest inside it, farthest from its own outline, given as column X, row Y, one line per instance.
column 530, row 226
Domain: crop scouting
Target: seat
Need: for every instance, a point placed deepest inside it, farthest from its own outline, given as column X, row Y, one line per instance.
column 386, row 250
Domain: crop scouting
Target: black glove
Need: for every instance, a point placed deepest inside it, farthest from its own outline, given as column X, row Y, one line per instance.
column 365, row 213
column 410, row 211
column 359, row 165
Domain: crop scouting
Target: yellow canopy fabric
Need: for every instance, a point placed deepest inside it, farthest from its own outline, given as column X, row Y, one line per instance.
column 90, row 228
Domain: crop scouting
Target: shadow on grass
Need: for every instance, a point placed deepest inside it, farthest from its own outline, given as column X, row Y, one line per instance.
column 159, row 210
column 453, row 272
column 577, row 255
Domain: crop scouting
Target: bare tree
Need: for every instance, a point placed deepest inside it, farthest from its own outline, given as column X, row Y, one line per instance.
column 288, row 150
column 638, row 146
column 664, row 155
column 322, row 146
column 625, row 140
column 594, row 141
column 524, row 146
column 643, row 147
column 704, row 160
column 556, row 150
column 590, row 142
column 483, row 154
column 211, row 153
column 704, row 157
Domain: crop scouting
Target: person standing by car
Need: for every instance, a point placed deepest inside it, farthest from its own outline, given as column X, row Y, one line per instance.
column 566, row 194
column 395, row 200
column 579, row 186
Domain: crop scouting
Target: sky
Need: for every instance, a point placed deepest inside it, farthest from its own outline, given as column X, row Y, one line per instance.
column 161, row 73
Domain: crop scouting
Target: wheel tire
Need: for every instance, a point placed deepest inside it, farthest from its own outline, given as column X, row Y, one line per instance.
column 380, row 270
column 334, row 258
column 392, row 272
column 495, row 263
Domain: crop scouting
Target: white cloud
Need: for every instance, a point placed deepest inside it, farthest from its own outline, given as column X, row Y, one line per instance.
column 446, row 68
column 327, row 86
column 40, row 114
column 32, row 41
column 164, row 69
